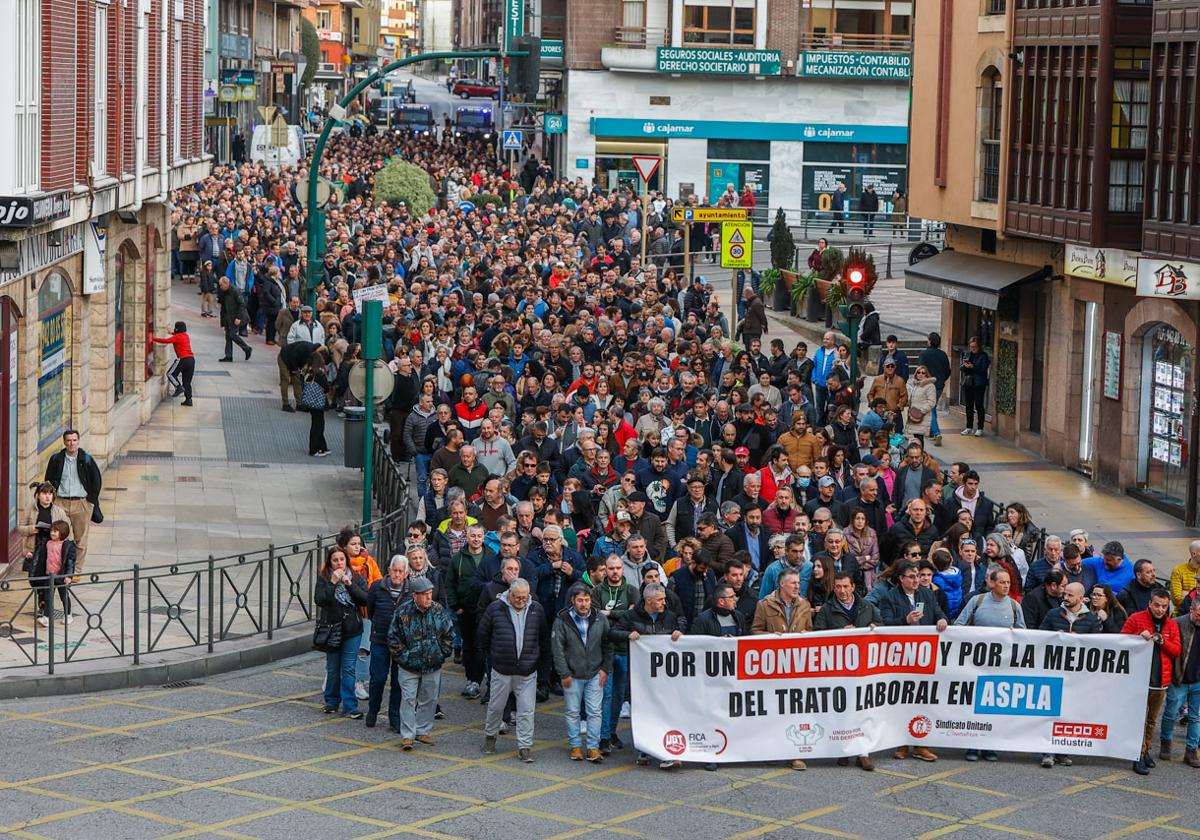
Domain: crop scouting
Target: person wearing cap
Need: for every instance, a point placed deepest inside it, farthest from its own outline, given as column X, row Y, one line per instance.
column 383, row 598
column 891, row 349
column 421, row 639
column 827, row 488
column 801, row 445
column 646, row 523
column 307, row 328
column 890, row 387
column 1112, row 568
column 681, row 522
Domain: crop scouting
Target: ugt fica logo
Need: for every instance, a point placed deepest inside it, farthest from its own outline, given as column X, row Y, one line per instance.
column 920, row 726
column 675, row 742
column 804, row 735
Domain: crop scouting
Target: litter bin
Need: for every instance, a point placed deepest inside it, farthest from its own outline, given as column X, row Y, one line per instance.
column 354, row 432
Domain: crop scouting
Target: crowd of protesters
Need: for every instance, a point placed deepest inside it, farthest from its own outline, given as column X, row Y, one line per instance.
column 596, row 458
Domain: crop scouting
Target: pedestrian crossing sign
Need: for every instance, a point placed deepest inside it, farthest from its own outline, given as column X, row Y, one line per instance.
column 737, row 244
column 512, row 140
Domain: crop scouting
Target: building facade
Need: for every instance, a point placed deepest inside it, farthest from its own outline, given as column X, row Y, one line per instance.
column 1072, row 246
column 785, row 99
column 105, row 104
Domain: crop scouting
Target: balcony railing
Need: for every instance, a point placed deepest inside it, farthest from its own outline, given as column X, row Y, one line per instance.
column 640, row 37
column 847, row 42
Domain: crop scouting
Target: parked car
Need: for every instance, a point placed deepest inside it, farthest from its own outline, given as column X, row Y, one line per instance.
column 467, row 88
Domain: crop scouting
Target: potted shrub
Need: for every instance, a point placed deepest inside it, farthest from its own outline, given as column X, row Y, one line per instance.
column 783, row 256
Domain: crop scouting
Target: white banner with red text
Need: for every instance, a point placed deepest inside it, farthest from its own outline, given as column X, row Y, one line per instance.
column 853, row 692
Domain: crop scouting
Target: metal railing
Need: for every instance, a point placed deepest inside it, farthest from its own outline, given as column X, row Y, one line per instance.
column 854, row 227
column 640, row 36
column 854, row 42
column 130, row 613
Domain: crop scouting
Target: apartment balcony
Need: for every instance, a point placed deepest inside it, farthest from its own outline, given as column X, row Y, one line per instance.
column 634, row 48
column 855, row 42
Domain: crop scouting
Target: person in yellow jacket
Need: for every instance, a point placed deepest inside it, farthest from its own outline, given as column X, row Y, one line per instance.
column 1184, row 576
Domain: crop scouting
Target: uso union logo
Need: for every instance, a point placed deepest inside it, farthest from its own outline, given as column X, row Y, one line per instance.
column 674, row 742
column 920, row 726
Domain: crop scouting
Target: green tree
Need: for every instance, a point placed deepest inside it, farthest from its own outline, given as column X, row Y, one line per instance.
column 310, row 45
column 783, row 246
column 400, row 181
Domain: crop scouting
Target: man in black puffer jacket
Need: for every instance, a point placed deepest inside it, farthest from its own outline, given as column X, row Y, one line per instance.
column 651, row 617
column 514, row 635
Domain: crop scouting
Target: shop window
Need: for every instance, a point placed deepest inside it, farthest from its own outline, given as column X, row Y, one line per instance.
column 719, row 22
column 1166, row 387
column 54, row 361
column 9, row 386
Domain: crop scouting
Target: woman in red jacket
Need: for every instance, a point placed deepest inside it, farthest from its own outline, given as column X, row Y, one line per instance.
column 181, row 371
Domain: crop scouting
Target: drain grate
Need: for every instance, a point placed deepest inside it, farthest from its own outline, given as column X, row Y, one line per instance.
column 149, row 453
column 161, row 610
column 255, row 466
column 212, row 373
column 182, row 684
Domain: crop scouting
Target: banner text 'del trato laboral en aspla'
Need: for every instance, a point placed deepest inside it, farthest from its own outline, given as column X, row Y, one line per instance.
column 851, row 692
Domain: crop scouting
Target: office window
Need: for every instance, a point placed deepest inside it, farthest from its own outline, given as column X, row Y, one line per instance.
column 1125, row 186
column 27, row 161
column 1130, row 113
column 324, row 19
column 100, row 86
column 723, row 22
column 177, row 88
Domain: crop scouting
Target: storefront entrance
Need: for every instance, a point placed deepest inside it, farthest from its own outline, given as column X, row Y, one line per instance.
column 1166, row 389
column 614, row 164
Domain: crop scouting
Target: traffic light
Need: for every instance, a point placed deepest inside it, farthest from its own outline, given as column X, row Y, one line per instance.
column 852, row 315
column 524, row 75
column 856, row 282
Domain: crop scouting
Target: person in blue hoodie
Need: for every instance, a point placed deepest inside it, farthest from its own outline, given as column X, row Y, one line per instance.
column 949, row 579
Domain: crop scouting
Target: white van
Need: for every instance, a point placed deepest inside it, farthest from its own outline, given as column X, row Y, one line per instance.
column 261, row 150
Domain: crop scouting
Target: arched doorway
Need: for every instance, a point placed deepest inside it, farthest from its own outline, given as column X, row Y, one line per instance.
column 1165, row 409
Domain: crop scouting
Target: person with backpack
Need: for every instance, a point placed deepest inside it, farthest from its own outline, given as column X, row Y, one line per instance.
column 993, row 608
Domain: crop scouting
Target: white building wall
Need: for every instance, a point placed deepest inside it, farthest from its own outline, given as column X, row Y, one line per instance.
column 623, row 95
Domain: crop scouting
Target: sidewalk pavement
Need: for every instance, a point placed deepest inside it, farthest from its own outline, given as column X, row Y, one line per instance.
column 1058, row 499
column 230, row 475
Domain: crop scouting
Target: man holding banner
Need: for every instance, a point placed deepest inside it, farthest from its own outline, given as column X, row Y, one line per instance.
column 1154, row 624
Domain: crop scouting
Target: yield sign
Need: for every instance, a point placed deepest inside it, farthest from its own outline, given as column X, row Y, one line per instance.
column 646, row 166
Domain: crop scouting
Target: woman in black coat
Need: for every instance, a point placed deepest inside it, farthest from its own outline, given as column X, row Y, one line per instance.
column 974, row 369
column 315, row 401
column 341, row 595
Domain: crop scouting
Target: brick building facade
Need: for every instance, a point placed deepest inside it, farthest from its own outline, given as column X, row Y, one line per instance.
column 105, row 105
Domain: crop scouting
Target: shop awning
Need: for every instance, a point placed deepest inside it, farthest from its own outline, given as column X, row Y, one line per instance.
column 968, row 278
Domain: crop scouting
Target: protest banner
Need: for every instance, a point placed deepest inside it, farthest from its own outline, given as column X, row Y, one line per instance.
column 376, row 292
column 849, row 693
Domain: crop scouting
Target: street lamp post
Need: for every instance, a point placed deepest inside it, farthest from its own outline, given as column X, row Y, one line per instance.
column 316, row 218
column 372, row 310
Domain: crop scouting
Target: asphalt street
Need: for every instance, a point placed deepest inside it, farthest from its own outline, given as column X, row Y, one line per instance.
column 249, row 755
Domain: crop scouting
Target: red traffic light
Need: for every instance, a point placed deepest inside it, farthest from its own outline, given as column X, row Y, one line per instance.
column 856, row 276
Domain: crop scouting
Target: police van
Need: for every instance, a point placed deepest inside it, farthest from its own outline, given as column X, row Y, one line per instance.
column 414, row 119
column 470, row 120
